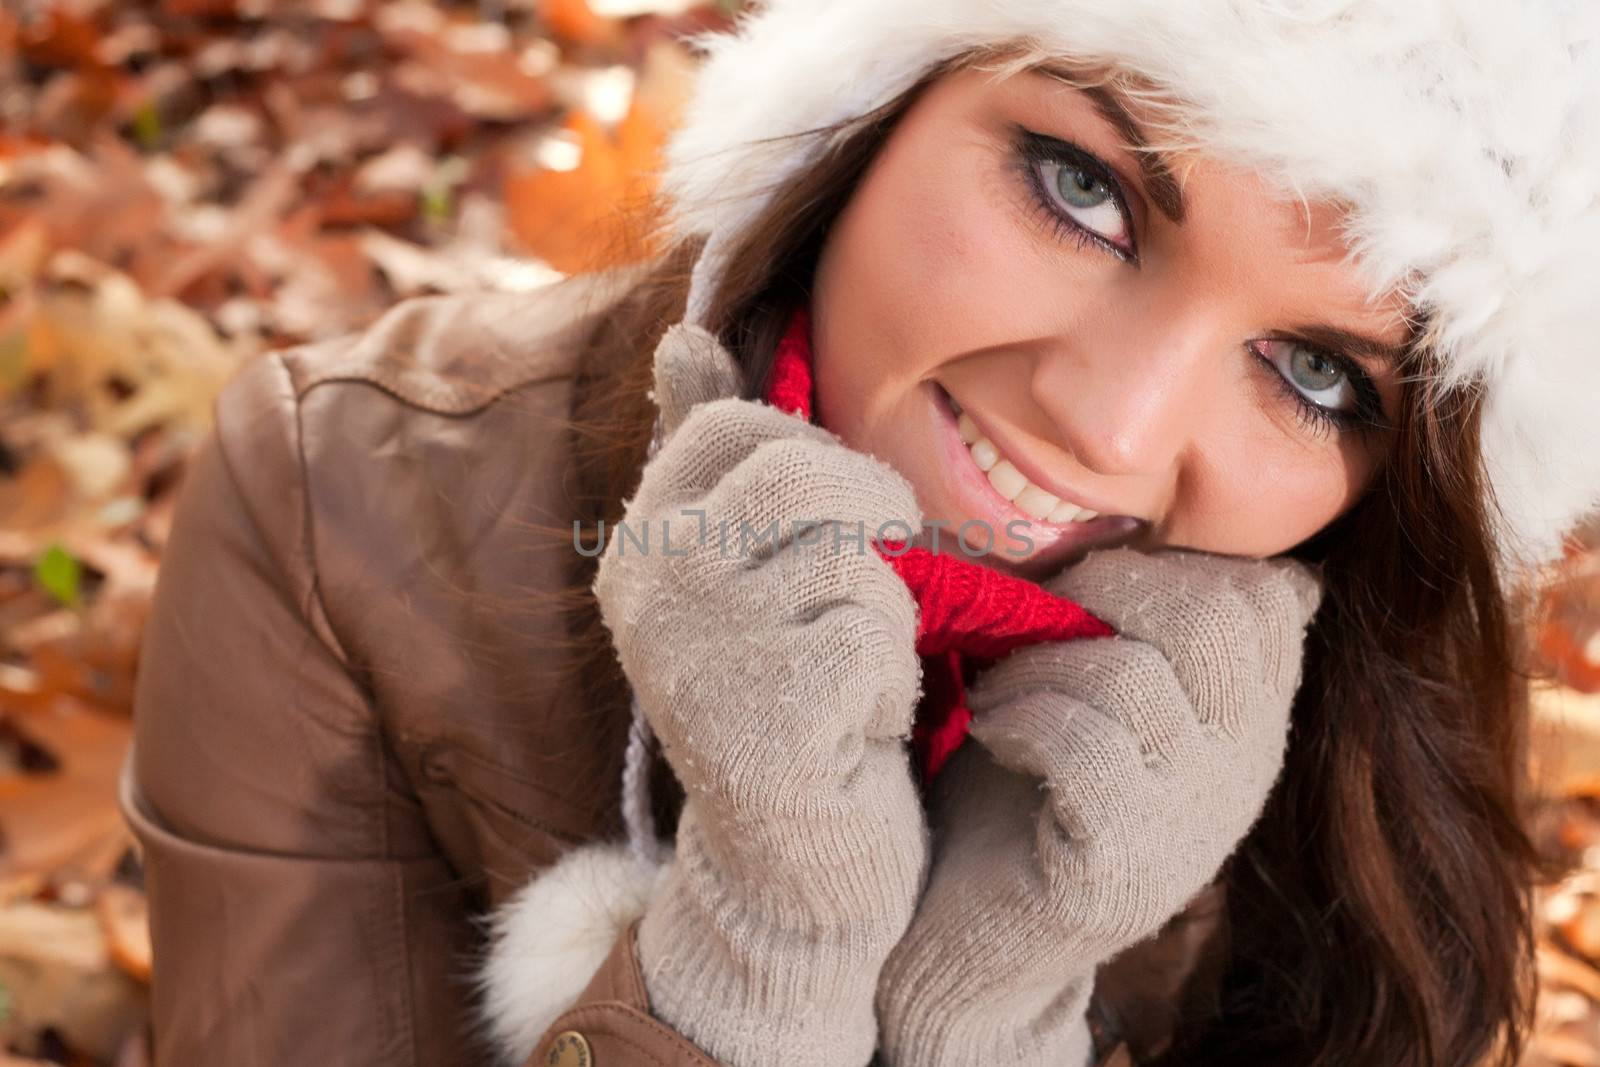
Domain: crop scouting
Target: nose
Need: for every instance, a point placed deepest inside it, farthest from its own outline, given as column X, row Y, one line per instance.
column 1128, row 397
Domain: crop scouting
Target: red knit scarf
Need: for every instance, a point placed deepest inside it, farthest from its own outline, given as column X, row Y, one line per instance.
column 969, row 615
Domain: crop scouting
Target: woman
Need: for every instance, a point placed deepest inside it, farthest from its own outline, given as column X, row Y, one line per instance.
column 1293, row 297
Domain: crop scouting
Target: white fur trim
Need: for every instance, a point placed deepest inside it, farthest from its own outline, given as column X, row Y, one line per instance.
column 1466, row 133
column 550, row 939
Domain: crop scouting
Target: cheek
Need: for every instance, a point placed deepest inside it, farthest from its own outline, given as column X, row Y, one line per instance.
column 923, row 266
column 1264, row 498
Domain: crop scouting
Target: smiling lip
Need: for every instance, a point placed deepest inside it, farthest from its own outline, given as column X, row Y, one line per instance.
column 1054, row 542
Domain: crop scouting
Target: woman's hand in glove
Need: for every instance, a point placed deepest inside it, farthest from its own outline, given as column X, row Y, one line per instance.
column 781, row 677
column 1109, row 780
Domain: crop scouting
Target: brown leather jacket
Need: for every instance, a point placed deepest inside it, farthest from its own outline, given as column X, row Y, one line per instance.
column 352, row 734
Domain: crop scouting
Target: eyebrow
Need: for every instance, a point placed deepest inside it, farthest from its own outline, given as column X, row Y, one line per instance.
column 1356, row 344
column 1159, row 181
column 1165, row 192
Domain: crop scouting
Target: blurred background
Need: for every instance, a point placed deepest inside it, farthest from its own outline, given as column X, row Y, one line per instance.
column 185, row 184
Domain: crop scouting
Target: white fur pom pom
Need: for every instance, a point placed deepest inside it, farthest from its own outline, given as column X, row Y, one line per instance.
column 550, row 939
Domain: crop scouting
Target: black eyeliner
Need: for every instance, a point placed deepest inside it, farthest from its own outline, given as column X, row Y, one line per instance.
column 1366, row 418
column 1368, row 414
column 1033, row 148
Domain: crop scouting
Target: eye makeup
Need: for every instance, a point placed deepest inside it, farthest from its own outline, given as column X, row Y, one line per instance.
column 1034, row 153
column 1366, row 417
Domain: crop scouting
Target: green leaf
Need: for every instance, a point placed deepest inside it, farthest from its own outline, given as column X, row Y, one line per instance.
column 60, row 574
column 147, row 126
column 439, row 198
column 436, row 203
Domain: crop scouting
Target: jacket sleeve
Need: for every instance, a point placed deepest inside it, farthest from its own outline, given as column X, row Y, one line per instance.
column 610, row 1023
column 291, row 911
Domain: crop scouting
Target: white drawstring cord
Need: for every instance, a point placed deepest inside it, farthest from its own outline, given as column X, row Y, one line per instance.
column 637, row 815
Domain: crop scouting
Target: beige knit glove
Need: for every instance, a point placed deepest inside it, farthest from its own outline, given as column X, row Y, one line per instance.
column 1110, row 779
column 781, row 682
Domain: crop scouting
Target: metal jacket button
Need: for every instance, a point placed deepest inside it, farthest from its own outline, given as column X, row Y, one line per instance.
column 570, row 1049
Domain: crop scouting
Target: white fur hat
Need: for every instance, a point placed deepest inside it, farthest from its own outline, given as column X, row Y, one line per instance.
column 1464, row 133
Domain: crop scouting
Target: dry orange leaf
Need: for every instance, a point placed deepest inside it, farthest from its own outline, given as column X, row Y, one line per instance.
column 37, row 498
column 1567, row 1050
column 200, row 8
column 600, row 213
column 1582, row 930
column 486, row 83
column 575, row 21
column 1562, row 646
column 1569, row 620
column 124, row 915
column 1557, row 967
column 51, row 820
column 16, row 145
column 62, row 38
column 1565, row 740
column 57, row 970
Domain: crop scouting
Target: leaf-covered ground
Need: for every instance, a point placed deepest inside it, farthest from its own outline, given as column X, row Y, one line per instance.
column 188, row 183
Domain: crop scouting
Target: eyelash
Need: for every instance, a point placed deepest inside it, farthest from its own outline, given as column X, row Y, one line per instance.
column 1366, row 418
column 1032, row 150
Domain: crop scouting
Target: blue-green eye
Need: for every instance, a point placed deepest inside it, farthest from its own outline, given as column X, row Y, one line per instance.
column 1088, row 200
column 1080, row 188
column 1329, row 391
column 1315, row 373
column 1077, row 192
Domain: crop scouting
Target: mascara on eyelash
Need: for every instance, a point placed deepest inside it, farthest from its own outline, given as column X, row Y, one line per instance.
column 1369, row 402
column 1366, row 418
column 1044, row 148
column 1035, row 148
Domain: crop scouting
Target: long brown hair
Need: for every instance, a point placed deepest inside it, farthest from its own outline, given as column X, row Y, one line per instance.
column 1379, row 912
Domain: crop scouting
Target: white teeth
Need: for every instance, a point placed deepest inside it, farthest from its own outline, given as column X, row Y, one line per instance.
column 1007, row 480
column 1065, row 512
column 1030, row 499
column 984, row 454
column 1035, row 502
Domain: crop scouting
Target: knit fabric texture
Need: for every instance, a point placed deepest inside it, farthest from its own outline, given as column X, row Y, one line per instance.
column 1107, row 783
column 798, row 923
column 782, row 681
column 968, row 615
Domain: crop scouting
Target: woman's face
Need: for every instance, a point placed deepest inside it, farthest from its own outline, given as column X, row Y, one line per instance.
column 1190, row 359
